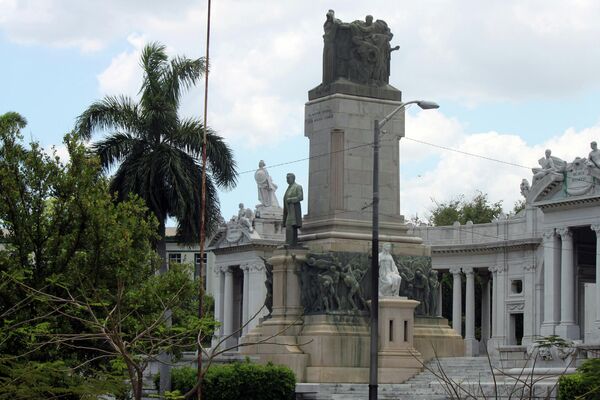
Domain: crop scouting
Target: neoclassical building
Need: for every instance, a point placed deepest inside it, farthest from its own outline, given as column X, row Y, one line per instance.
column 537, row 270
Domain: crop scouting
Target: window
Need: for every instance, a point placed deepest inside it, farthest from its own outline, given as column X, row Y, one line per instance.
column 516, row 286
column 174, row 258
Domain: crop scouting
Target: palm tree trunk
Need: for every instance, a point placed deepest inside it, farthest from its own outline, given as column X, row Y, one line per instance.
column 164, row 358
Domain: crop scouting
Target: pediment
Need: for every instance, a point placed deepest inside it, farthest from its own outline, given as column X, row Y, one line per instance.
column 232, row 234
column 578, row 180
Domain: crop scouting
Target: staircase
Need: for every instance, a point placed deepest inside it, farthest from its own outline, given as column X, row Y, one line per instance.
column 445, row 378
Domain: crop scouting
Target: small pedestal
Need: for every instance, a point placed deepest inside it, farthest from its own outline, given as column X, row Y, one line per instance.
column 398, row 359
column 278, row 335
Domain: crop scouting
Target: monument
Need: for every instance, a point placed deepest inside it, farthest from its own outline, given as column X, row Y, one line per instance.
column 320, row 281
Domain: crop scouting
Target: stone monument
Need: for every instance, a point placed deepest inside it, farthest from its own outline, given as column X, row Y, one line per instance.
column 321, row 289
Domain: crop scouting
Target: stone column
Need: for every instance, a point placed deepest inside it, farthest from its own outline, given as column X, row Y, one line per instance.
column 500, row 332
column 485, row 308
column 456, row 300
column 567, row 327
column 596, row 335
column 228, row 304
column 530, row 304
column 494, row 316
column 471, row 343
column 550, row 272
column 440, row 300
column 245, row 297
column 218, row 295
column 257, row 292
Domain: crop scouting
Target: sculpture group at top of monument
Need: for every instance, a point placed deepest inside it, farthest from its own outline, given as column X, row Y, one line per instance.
column 358, row 51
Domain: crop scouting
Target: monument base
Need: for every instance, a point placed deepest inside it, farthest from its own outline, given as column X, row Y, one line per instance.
column 338, row 347
column 434, row 337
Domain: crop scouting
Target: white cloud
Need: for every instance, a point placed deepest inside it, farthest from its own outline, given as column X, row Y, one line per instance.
column 457, row 174
column 123, row 75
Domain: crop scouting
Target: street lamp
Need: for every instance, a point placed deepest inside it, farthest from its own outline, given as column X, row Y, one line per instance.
column 425, row 105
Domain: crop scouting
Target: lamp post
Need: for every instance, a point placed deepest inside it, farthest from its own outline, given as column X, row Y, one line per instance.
column 425, row 105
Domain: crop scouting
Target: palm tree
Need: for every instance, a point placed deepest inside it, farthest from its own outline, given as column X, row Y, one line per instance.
column 157, row 153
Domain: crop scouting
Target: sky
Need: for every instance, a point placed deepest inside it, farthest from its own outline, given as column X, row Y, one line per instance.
column 512, row 78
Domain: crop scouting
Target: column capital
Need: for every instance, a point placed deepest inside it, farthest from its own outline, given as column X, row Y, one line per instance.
column 493, row 269
column 224, row 269
column 549, row 234
column 529, row 267
column 468, row 270
column 455, row 270
column 501, row 269
column 564, row 233
column 252, row 266
column 595, row 228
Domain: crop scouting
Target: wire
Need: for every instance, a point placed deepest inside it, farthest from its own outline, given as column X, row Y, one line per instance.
column 467, row 153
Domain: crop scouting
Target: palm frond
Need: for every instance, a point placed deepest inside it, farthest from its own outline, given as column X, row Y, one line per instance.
column 112, row 112
column 182, row 74
column 114, row 148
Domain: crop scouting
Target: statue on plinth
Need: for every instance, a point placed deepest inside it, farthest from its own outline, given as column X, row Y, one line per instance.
column 549, row 165
column 355, row 54
column 594, row 156
column 266, row 187
column 389, row 276
column 292, row 212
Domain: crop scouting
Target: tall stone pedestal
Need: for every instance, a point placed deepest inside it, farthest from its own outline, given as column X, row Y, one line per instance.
column 340, row 130
column 276, row 339
column 398, row 359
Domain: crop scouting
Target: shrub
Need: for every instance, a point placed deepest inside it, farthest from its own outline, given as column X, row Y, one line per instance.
column 584, row 384
column 249, row 381
column 237, row 381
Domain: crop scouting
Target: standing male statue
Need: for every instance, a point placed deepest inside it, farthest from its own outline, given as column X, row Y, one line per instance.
column 292, row 213
column 266, row 187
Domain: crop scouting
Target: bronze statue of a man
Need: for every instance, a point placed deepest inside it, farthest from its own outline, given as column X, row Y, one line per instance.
column 292, row 213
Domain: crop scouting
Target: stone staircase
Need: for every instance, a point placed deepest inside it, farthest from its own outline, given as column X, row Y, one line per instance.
column 469, row 377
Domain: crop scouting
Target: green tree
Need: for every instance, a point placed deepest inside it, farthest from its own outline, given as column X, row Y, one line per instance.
column 479, row 210
column 81, row 303
column 158, row 153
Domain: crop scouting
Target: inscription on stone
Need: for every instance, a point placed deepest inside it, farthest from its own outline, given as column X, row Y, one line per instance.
column 319, row 115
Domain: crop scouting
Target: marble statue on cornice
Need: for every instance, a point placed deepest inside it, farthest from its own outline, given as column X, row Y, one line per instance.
column 549, row 165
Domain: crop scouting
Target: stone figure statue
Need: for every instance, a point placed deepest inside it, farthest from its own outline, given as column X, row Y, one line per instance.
column 269, row 286
column 351, row 279
column 389, row 277
column 266, row 187
column 594, row 156
column 329, row 58
column 434, row 285
column 525, row 188
column 332, row 283
column 419, row 282
column 549, row 165
column 358, row 51
column 292, row 212
column 245, row 218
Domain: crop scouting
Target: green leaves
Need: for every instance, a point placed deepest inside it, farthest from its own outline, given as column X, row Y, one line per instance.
column 158, row 155
column 477, row 210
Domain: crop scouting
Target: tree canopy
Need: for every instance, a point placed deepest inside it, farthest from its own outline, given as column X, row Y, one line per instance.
column 81, row 303
column 479, row 210
column 156, row 152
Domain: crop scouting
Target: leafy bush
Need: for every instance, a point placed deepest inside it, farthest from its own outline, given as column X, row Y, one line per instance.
column 238, row 381
column 584, row 384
